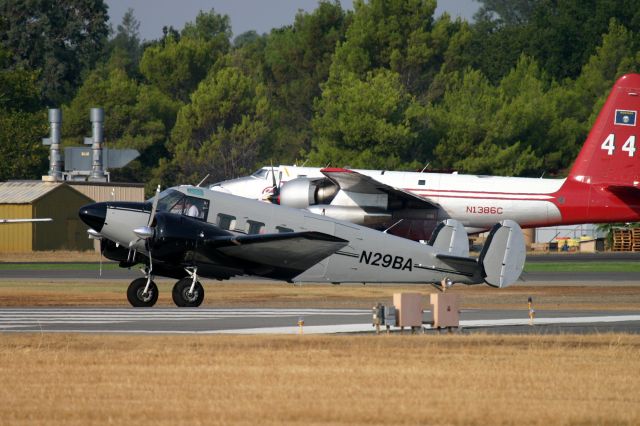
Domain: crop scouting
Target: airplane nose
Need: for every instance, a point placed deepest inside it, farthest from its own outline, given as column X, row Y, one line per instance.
column 94, row 215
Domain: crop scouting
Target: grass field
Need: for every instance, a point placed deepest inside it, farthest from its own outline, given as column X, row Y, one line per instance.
column 16, row 293
column 591, row 266
column 354, row 380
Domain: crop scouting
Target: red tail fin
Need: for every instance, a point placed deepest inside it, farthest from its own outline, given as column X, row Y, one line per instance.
column 611, row 153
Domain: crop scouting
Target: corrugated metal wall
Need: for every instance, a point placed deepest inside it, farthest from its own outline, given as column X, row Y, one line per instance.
column 66, row 232
column 110, row 192
column 16, row 237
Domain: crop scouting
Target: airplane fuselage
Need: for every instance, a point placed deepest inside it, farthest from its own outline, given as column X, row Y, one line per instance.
column 369, row 256
column 475, row 201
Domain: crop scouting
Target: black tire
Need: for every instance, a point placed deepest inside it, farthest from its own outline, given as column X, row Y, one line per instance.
column 135, row 297
column 181, row 295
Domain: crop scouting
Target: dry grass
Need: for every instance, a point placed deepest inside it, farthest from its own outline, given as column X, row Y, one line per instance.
column 51, row 256
column 278, row 294
column 85, row 379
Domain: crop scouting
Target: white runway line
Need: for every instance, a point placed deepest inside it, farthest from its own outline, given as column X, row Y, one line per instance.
column 123, row 320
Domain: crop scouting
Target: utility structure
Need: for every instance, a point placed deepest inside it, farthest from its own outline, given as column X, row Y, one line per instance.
column 55, row 161
column 84, row 164
column 96, row 140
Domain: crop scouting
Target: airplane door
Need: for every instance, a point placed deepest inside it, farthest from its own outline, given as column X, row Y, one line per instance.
column 343, row 267
column 319, row 270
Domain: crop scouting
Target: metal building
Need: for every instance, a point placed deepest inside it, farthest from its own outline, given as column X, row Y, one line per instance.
column 109, row 191
column 35, row 199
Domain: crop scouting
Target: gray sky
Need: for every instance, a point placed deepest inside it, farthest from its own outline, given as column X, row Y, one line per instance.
column 245, row 15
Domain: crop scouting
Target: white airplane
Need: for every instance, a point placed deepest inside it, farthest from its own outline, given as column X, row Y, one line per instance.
column 602, row 186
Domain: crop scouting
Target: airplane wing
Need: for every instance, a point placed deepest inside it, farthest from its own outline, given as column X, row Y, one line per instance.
column 351, row 181
column 48, row 219
column 280, row 256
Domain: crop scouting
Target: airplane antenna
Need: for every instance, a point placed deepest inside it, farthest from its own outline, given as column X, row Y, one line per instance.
column 542, row 174
column 328, row 164
column 305, row 162
column 398, row 222
column 425, row 167
column 203, row 180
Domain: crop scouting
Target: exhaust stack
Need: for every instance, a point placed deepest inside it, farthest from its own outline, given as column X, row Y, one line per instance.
column 96, row 140
column 55, row 162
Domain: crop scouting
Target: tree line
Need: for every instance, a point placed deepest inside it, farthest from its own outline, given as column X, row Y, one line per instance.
column 387, row 85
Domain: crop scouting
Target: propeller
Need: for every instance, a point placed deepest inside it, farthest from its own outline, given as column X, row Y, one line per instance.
column 147, row 231
column 95, row 235
column 274, row 198
column 154, row 206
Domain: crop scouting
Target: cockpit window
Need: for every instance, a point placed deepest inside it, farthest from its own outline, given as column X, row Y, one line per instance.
column 261, row 173
column 168, row 200
column 196, row 207
column 173, row 201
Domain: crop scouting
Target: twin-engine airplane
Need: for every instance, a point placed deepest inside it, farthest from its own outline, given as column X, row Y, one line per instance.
column 189, row 232
column 602, row 186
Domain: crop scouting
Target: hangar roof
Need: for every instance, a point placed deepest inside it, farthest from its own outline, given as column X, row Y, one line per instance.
column 25, row 192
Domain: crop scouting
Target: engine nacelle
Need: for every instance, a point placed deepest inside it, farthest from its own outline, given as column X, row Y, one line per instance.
column 174, row 235
column 370, row 217
column 301, row 193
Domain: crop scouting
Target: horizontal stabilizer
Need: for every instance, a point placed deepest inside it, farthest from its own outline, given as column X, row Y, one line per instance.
column 503, row 255
column 451, row 238
column 463, row 265
column 283, row 255
column 625, row 192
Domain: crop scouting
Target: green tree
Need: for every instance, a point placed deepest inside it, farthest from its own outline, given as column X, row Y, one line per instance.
column 560, row 35
column 296, row 62
column 370, row 123
column 22, row 123
column 125, row 48
column 399, row 35
column 178, row 64
column 59, row 39
column 219, row 133
column 509, row 129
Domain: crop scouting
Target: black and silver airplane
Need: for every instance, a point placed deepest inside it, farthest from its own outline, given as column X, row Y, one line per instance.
column 189, row 232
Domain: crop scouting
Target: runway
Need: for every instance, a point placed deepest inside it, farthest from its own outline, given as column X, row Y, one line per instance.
column 284, row 321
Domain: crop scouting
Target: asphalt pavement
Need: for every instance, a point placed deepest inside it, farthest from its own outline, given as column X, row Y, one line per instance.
column 286, row 321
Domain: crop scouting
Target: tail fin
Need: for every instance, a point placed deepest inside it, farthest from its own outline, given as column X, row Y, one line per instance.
column 610, row 155
column 451, row 238
column 503, row 255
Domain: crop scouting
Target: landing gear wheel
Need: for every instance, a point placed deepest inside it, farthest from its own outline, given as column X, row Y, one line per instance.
column 136, row 296
column 181, row 296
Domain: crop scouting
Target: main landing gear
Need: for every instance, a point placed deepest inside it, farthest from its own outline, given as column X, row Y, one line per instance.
column 142, row 292
column 187, row 293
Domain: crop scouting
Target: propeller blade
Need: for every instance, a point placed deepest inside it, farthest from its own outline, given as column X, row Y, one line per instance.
column 273, row 178
column 275, row 192
column 154, row 206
